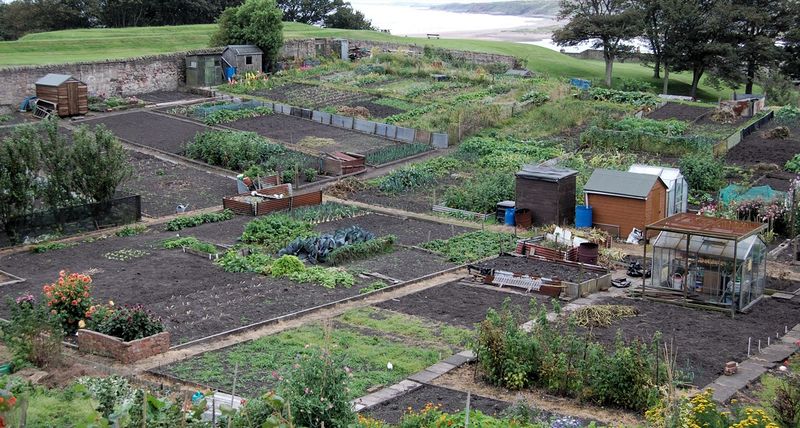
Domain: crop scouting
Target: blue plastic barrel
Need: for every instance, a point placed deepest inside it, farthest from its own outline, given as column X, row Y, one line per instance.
column 510, row 216
column 583, row 216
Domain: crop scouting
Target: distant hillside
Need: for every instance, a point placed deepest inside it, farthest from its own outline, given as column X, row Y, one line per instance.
column 515, row 8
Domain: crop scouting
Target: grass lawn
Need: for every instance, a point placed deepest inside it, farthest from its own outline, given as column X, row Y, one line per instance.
column 364, row 339
column 117, row 43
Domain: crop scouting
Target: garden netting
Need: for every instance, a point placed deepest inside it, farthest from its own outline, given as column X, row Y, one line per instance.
column 737, row 193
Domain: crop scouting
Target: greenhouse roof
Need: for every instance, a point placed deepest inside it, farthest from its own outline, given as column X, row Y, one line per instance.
column 692, row 224
column 705, row 246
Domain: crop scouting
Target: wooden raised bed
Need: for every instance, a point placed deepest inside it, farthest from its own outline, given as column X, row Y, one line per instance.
column 246, row 204
column 92, row 342
column 532, row 248
column 343, row 163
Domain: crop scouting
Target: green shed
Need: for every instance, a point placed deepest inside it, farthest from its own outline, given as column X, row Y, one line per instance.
column 204, row 70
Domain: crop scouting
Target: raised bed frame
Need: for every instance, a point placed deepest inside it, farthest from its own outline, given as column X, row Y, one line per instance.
column 268, row 206
column 92, row 342
column 532, row 248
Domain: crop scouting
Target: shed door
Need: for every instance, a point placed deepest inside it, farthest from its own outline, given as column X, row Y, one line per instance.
column 72, row 97
column 210, row 73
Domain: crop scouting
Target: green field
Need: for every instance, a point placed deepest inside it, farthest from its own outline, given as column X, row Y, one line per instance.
column 117, row 43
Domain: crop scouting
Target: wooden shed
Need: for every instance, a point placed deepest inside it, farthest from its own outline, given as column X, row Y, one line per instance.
column 204, row 70
column 622, row 201
column 69, row 94
column 548, row 192
column 243, row 58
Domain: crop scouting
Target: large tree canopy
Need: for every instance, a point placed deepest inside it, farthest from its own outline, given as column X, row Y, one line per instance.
column 608, row 24
column 257, row 22
column 346, row 17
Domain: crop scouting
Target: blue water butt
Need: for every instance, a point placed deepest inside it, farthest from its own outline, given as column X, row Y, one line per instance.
column 510, row 216
column 583, row 216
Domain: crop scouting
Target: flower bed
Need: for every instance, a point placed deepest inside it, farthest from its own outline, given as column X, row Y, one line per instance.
column 92, row 342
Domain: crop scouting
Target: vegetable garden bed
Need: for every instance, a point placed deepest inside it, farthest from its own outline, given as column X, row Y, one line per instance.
column 151, row 130
column 450, row 400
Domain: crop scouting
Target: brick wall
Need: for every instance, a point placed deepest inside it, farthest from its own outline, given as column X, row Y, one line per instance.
column 104, row 345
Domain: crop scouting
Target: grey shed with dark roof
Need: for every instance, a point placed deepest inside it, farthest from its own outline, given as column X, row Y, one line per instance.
column 243, row 57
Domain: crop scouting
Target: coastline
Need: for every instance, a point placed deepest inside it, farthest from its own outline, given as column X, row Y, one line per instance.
column 524, row 34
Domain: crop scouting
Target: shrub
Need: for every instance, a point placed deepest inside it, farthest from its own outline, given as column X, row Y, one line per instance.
column 482, row 193
column 127, row 322
column 787, row 114
column 255, row 262
column 309, row 175
column 327, row 277
column 190, row 242
column 275, row 231
column 362, row 250
column 287, row 265
column 623, row 97
column 33, row 335
column 316, row 390
column 198, row 219
column 703, row 172
column 634, row 85
column 109, row 392
column 233, row 150
column 68, row 299
column 131, row 230
column 535, row 97
column 565, row 362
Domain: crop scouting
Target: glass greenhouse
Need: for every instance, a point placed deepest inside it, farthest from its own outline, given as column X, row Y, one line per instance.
column 714, row 261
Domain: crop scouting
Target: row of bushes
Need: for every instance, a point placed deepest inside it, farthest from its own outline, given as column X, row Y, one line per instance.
column 609, row 139
column 564, row 362
column 41, row 170
column 237, row 151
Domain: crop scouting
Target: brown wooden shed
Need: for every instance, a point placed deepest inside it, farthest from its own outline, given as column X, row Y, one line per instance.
column 68, row 93
column 548, row 192
column 622, row 201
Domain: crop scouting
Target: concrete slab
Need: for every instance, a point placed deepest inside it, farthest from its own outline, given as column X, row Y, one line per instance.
column 424, row 376
column 457, row 360
column 441, row 368
column 405, row 386
column 468, row 353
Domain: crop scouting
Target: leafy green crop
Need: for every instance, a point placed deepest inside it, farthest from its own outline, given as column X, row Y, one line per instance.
column 362, row 250
column 393, row 153
column 190, row 242
column 623, row 97
column 226, row 116
column 472, row 246
column 198, row 219
column 256, row 262
column 275, row 231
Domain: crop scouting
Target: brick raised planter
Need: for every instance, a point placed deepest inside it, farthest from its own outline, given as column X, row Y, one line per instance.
column 104, row 345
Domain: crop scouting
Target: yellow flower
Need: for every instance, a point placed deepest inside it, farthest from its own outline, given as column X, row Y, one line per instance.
column 110, row 303
column 82, row 324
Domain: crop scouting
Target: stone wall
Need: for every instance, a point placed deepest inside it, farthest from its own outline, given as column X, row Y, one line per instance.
column 104, row 345
column 113, row 77
column 168, row 72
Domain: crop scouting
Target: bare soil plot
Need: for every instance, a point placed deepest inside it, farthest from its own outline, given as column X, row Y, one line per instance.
column 168, row 96
column 457, row 303
column 403, row 264
column 450, row 400
column 756, row 149
column 194, row 297
column 409, row 231
column 419, row 200
column 151, row 130
column 15, row 118
column 163, row 185
column 318, row 97
column 778, row 180
column 705, row 340
column 679, row 111
column 540, row 268
column 296, row 131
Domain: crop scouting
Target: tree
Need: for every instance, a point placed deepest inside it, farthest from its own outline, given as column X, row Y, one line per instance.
column 790, row 64
column 100, row 164
column 258, row 22
column 20, row 159
column 608, row 24
column 705, row 38
column 758, row 25
column 346, row 17
column 308, row 11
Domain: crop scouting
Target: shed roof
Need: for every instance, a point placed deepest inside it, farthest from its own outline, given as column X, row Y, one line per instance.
column 620, row 183
column 244, row 49
column 54, row 79
column 545, row 173
column 692, row 224
column 668, row 175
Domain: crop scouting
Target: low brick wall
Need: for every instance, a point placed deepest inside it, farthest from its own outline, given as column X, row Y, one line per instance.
column 104, row 345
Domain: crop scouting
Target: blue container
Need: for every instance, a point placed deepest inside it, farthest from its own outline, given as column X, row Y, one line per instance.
column 510, row 216
column 583, row 216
